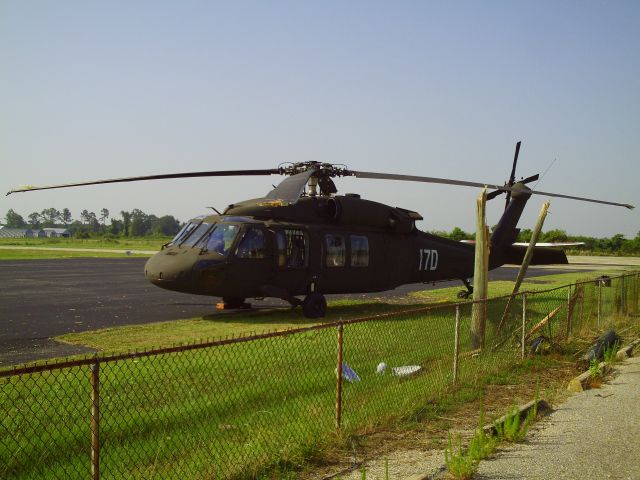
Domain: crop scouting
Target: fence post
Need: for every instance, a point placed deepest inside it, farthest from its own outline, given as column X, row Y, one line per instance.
column 95, row 420
column 524, row 321
column 623, row 293
column 569, row 312
column 456, row 348
column 599, row 301
column 339, row 378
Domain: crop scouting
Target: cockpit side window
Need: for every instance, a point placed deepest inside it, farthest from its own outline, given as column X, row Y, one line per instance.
column 182, row 234
column 220, row 238
column 293, row 248
column 197, row 234
column 252, row 244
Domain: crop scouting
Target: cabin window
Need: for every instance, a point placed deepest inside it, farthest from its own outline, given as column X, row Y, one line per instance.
column 220, row 238
column 336, row 250
column 252, row 244
column 197, row 234
column 359, row 251
column 292, row 246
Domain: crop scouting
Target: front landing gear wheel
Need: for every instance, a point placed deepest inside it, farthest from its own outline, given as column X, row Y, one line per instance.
column 233, row 302
column 314, row 306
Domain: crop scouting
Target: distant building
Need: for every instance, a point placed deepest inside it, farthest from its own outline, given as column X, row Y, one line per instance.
column 56, row 232
column 6, row 232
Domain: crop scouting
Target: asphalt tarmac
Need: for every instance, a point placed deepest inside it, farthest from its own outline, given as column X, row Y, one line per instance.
column 40, row 299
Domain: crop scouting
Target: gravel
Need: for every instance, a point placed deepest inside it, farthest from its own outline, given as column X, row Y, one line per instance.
column 595, row 434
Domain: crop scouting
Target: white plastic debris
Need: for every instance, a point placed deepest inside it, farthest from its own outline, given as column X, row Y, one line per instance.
column 406, row 370
column 381, row 368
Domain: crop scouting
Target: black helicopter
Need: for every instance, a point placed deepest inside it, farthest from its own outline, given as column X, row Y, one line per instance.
column 302, row 239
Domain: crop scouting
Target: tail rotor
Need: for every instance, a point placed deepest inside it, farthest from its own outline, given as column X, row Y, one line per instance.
column 512, row 180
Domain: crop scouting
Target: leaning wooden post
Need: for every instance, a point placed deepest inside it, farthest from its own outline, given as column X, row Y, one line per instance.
column 339, row 378
column 526, row 261
column 456, row 347
column 480, row 275
column 95, row 420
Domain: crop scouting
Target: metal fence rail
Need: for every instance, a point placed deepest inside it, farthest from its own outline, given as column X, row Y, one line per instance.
column 237, row 407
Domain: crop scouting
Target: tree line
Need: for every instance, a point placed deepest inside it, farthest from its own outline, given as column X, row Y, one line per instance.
column 135, row 223
column 616, row 244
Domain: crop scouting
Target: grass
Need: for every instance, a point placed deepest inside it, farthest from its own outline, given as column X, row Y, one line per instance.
column 52, row 254
column 241, row 408
column 460, row 464
column 54, row 247
column 502, row 287
column 595, row 370
column 245, row 323
column 223, row 325
column 255, row 403
column 252, row 408
column 463, row 464
column 611, row 353
column 512, row 429
column 124, row 243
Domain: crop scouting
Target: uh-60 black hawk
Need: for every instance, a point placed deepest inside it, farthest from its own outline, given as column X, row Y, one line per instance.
column 302, row 239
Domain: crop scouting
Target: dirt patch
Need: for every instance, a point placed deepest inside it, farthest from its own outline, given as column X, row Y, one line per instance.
column 413, row 449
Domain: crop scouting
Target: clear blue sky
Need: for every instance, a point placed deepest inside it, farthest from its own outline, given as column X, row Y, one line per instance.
column 107, row 89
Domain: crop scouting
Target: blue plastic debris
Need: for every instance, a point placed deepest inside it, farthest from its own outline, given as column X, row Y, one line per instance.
column 349, row 373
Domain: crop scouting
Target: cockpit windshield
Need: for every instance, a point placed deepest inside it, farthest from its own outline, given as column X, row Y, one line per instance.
column 196, row 235
column 220, row 238
column 182, row 234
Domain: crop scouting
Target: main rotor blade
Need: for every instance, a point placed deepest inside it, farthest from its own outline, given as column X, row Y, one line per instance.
column 583, row 199
column 414, row 178
column 219, row 173
column 290, row 189
column 447, row 181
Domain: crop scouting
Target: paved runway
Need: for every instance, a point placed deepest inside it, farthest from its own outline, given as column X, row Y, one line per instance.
column 40, row 299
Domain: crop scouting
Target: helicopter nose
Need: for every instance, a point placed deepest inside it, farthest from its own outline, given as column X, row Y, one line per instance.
column 167, row 271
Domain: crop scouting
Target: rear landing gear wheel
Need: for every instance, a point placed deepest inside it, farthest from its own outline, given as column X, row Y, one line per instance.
column 468, row 292
column 233, row 302
column 314, row 306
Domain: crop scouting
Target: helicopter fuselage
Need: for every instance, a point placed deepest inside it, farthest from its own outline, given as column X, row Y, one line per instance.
column 265, row 248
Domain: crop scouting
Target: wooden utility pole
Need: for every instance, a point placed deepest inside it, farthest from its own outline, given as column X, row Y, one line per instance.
column 525, row 262
column 480, row 275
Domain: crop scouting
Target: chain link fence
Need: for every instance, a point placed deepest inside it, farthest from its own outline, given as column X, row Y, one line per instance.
column 241, row 407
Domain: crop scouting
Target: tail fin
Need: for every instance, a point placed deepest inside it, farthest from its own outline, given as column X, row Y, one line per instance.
column 506, row 232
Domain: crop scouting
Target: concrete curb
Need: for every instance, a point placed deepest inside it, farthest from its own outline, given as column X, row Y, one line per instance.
column 581, row 382
column 542, row 408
